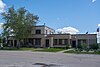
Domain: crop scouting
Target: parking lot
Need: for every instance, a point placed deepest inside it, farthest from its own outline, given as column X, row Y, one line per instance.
column 47, row 59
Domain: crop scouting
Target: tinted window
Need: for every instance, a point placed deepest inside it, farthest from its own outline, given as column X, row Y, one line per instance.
column 38, row 31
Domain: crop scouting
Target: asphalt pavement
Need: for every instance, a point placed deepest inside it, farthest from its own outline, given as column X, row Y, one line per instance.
column 47, row 59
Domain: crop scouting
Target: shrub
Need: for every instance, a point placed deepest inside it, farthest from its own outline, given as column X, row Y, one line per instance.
column 5, row 45
column 68, row 46
column 94, row 46
column 98, row 50
column 83, row 47
column 79, row 46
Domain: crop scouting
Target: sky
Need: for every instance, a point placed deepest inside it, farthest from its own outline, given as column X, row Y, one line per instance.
column 82, row 15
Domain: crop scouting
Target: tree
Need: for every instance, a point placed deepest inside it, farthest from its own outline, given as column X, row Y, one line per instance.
column 0, row 38
column 1, row 42
column 19, row 23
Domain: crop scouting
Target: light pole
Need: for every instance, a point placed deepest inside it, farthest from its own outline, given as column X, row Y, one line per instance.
column 76, row 40
column 98, row 35
column 87, row 39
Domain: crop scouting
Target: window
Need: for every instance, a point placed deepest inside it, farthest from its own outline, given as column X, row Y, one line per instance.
column 38, row 31
column 31, row 40
column 38, row 41
column 60, row 41
column 79, row 42
column 82, row 41
column 55, row 41
column 50, row 32
column 65, row 41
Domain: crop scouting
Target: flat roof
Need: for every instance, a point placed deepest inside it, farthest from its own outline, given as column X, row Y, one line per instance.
column 44, row 26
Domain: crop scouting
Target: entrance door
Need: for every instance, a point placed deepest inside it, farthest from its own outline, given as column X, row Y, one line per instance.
column 47, row 42
column 73, row 44
column 15, row 43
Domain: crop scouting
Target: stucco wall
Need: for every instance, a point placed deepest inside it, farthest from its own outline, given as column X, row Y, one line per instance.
column 43, row 30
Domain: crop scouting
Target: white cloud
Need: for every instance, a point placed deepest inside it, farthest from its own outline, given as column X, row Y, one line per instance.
column 93, row 1
column 67, row 30
column 98, row 25
column 1, row 24
column 2, row 6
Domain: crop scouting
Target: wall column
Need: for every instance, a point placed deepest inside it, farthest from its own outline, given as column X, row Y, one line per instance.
column 76, row 40
column 69, row 41
column 13, row 42
column 51, row 42
column 43, row 42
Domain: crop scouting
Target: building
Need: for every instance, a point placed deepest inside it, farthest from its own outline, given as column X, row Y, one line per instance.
column 44, row 36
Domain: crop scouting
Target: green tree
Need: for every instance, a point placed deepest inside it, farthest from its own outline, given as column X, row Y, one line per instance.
column 19, row 23
column 1, row 38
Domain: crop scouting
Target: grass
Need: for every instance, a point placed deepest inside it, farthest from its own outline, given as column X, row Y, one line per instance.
column 16, row 49
column 49, row 50
column 9, row 48
column 33, row 49
column 26, row 49
column 78, row 52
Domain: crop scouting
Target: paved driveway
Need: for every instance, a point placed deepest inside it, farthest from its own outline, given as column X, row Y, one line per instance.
column 45, row 59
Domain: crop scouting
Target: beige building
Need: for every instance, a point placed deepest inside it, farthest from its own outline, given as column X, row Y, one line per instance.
column 43, row 36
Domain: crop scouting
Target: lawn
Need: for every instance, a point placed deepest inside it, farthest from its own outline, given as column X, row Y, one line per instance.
column 33, row 49
column 78, row 52
column 49, row 50
column 16, row 49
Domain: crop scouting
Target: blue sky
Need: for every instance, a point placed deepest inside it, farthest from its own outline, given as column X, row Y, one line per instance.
column 83, row 15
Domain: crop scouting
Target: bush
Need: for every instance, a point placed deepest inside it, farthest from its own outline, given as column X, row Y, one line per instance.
column 87, row 48
column 94, row 46
column 98, row 50
column 5, row 45
column 83, row 47
column 68, row 46
column 79, row 46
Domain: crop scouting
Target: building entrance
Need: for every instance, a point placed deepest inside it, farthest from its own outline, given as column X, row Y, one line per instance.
column 47, row 42
column 73, row 44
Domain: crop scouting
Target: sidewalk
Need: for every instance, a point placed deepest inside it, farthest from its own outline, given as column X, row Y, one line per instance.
column 64, row 51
